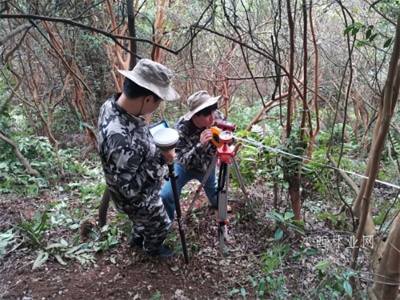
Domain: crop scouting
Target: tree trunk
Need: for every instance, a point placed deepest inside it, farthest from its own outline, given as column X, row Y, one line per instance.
column 22, row 158
column 294, row 191
column 387, row 104
column 386, row 107
column 387, row 278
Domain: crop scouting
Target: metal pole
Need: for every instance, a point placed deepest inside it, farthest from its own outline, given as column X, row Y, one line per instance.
column 203, row 182
column 242, row 186
column 172, row 177
column 223, row 187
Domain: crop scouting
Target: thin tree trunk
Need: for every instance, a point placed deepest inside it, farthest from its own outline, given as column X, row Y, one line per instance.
column 386, row 108
column 22, row 158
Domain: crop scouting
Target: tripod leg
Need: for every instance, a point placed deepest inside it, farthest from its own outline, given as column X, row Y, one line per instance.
column 203, row 182
column 240, row 179
column 223, row 184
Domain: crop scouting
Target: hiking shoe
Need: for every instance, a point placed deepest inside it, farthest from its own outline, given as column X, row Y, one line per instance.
column 162, row 252
column 213, row 206
column 228, row 208
column 136, row 242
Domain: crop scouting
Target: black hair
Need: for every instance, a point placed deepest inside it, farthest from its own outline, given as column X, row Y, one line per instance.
column 207, row 111
column 133, row 90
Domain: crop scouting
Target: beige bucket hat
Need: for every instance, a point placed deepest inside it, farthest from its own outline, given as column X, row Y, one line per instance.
column 154, row 77
column 199, row 101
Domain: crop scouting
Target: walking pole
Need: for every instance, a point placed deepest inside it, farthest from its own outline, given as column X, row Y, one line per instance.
column 172, row 177
column 166, row 139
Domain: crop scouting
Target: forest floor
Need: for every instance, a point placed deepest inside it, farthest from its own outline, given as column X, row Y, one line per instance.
column 256, row 263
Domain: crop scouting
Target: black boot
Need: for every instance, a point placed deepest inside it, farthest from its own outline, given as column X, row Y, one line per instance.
column 162, row 252
column 136, row 242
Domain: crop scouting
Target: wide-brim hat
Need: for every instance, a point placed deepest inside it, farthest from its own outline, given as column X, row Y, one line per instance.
column 199, row 101
column 153, row 76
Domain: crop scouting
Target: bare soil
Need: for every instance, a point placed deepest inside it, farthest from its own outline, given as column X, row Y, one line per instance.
column 123, row 272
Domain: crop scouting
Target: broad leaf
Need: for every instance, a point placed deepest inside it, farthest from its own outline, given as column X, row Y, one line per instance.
column 40, row 259
column 322, row 265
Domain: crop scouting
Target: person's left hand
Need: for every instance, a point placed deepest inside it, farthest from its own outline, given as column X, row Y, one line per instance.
column 205, row 137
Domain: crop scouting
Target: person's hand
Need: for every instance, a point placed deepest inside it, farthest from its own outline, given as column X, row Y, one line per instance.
column 169, row 155
column 205, row 137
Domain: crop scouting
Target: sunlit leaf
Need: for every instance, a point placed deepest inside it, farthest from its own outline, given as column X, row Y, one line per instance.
column 347, row 287
column 60, row 260
column 243, row 292
column 40, row 259
column 289, row 215
column 233, row 292
column 322, row 265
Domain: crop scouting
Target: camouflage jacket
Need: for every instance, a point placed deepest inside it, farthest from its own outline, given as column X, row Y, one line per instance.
column 190, row 153
column 133, row 165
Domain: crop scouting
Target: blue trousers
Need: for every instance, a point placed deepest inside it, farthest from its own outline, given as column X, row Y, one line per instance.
column 184, row 176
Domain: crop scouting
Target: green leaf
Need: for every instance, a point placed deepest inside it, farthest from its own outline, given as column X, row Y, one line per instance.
column 348, row 29
column 285, row 185
column 289, row 215
column 156, row 296
column 297, row 255
column 359, row 25
column 60, row 260
column 4, row 166
column 348, row 288
column 278, row 234
column 387, row 43
column 55, row 245
column 322, row 265
column 234, row 291
column 74, row 226
column 368, row 34
column 243, row 292
column 311, row 252
column 276, row 216
column 74, row 249
column 252, row 280
column 372, row 37
column 261, row 287
column 355, row 31
column 6, row 236
column 40, row 259
column 75, row 240
column 82, row 251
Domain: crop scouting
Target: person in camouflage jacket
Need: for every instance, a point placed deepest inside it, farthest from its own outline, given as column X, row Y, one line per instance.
column 132, row 164
column 194, row 150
